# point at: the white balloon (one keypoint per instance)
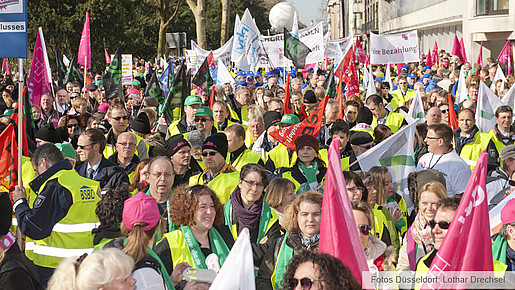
(281, 15)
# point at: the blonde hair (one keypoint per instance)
(435, 187)
(276, 191)
(292, 211)
(137, 240)
(96, 270)
(366, 209)
(77, 102)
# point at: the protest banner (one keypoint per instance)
(394, 48)
(246, 40)
(223, 53)
(127, 69)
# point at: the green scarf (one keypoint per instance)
(218, 247)
(310, 173)
(499, 249)
(283, 260)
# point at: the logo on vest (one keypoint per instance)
(87, 194)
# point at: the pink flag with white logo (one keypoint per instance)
(361, 55)
(84, 57)
(480, 56)
(467, 245)
(339, 235)
(38, 83)
(463, 57)
(506, 56)
(5, 67)
(108, 58)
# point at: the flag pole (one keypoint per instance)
(20, 118)
(85, 68)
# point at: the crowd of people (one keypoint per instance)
(114, 197)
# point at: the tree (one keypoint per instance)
(224, 33)
(198, 10)
(167, 11)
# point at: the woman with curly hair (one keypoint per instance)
(69, 129)
(315, 271)
(302, 224)
(201, 236)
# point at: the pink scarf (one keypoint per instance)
(421, 231)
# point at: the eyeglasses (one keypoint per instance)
(72, 125)
(365, 229)
(82, 147)
(252, 184)
(354, 189)
(366, 146)
(442, 225)
(126, 144)
(511, 182)
(433, 138)
(158, 175)
(120, 117)
(202, 120)
(445, 111)
(211, 153)
(305, 283)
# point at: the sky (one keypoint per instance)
(307, 9)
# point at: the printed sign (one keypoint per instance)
(13, 29)
(394, 48)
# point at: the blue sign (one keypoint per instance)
(13, 29)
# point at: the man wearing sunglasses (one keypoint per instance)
(187, 122)
(402, 94)
(204, 121)
(393, 120)
(219, 175)
(118, 117)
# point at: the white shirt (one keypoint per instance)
(452, 166)
(95, 168)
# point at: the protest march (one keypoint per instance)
(283, 160)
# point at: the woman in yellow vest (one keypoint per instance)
(308, 172)
(202, 236)
(302, 223)
(248, 209)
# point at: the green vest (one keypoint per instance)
(223, 184)
(470, 152)
(248, 156)
(393, 121)
(72, 235)
(266, 221)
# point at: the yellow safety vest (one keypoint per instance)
(470, 152)
(244, 115)
(399, 100)
(72, 235)
(223, 184)
(393, 121)
(110, 149)
(280, 156)
(248, 156)
(270, 220)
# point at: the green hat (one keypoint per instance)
(99, 83)
(66, 149)
(8, 112)
(193, 100)
(289, 119)
(203, 111)
(142, 75)
(136, 83)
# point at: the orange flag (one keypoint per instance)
(340, 97)
(287, 106)
(453, 120)
(8, 158)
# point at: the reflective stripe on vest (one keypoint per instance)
(393, 121)
(74, 228)
(59, 252)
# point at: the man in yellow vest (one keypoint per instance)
(118, 118)
(242, 99)
(239, 153)
(501, 136)
(393, 120)
(63, 213)
(219, 175)
(187, 122)
(125, 154)
(468, 141)
(403, 94)
(204, 120)
(221, 115)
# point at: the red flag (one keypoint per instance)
(340, 97)
(302, 113)
(38, 83)
(212, 97)
(480, 56)
(436, 60)
(84, 57)
(456, 47)
(399, 68)
(429, 59)
(506, 56)
(347, 69)
(311, 125)
(339, 235)
(8, 158)
(287, 105)
(463, 54)
(467, 245)
(361, 55)
(453, 120)
(5, 66)
(108, 58)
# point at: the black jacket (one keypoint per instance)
(17, 272)
(131, 167)
(460, 142)
(108, 174)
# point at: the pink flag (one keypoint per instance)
(361, 55)
(469, 229)
(436, 60)
(429, 59)
(38, 83)
(399, 67)
(108, 59)
(456, 47)
(84, 57)
(5, 66)
(463, 54)
(339, 235)
(480, 56)
(367, 61)
(506, 56)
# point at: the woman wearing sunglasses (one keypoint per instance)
(202, 239)
(418, 240)
(379, 256)
(248, 209)
(313, 271)
(69, 129)
(302, 224)
(308, 172)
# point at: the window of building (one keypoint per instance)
(491, 7)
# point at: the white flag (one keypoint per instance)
(388, 77)
(499, 75)
(487, 103)
(366, 79)
(66, 61)
(396, 153)
(246, 40)
(236, 26)
(416, 110)
(509, 97)
(238, 269)
(224, 76)
(295, 26)
(495, 214)
(461, 91)
(371, 85)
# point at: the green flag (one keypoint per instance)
(113, 77)
(153, 89)
(73, 74)
(61, 68)
(295, 50)
(202, 77)
(176, 94)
